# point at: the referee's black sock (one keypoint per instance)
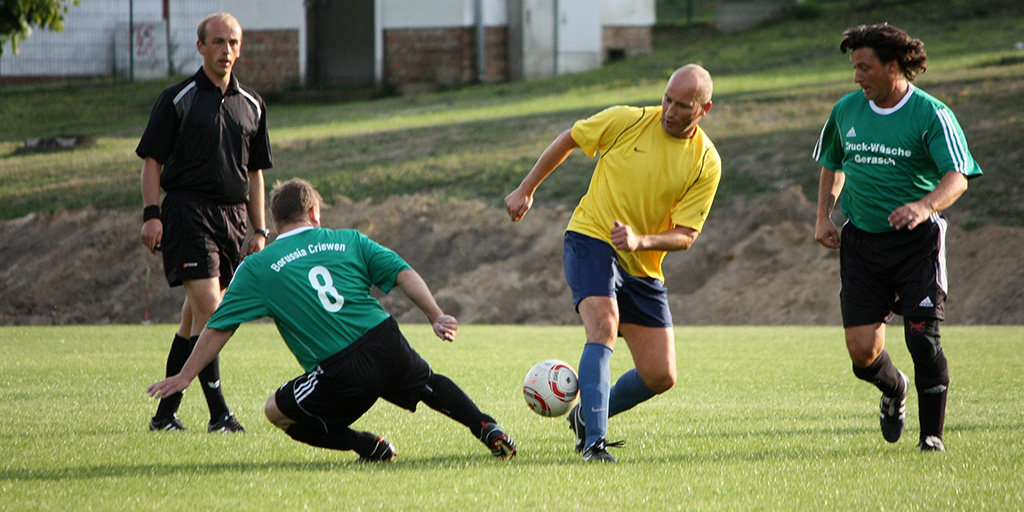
(883, 374)
(448, 398)
(209, 378)
(181, 348)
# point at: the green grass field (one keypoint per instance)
(761, 419)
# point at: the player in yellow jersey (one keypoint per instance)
(650, 194)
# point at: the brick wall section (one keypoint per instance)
(270, 60)
(426, 59)
(496, 39)
(629, 41)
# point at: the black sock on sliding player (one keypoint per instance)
(448, 398)
(342, 438)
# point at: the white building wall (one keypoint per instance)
(419, 14)
(578, 36)
(94, 41)
(183, 18)
(85, 46)
(554, 37)
(534, 41)
(442, 13)
(91, 43)
(495, 12)
(627, 13)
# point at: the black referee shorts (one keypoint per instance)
(902, 272)
(201, 239)
(380, 364)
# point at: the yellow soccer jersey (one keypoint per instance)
(644, 178)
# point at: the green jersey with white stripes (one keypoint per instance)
(891, 156)
(315, 284)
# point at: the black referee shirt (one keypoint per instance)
(206, 141)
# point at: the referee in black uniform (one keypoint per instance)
(206, 145)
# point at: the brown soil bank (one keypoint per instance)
(754, 264)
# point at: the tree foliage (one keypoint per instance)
(17, 17)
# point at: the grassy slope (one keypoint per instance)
(774, 87)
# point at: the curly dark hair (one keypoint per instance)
(890, 44)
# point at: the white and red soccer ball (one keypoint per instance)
(550, 388)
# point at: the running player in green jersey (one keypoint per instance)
(650, 194)
(898, 156)
(315, 284)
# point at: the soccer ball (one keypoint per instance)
(550, 388)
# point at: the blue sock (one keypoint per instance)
(629, 391)
(595, 382)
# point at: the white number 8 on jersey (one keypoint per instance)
(323, 283)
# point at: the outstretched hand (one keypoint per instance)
(445, 327)
(168, 386)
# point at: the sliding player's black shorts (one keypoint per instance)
(380, 364)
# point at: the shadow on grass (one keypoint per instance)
(756, 451)
(453, 462)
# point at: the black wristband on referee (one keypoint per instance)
(150, 212)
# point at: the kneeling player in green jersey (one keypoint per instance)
(903, 158)
(315, 284)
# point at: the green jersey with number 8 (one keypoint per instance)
(315, 284)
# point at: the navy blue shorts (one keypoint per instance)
(592, 270)
(900, 272)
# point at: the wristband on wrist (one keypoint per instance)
(150, 212)
(264, 232)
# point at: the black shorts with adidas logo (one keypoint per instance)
(900, 272)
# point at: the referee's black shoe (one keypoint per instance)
(893, 413)
(172, 424)
(228, 423)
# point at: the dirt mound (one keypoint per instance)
(754, 264)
